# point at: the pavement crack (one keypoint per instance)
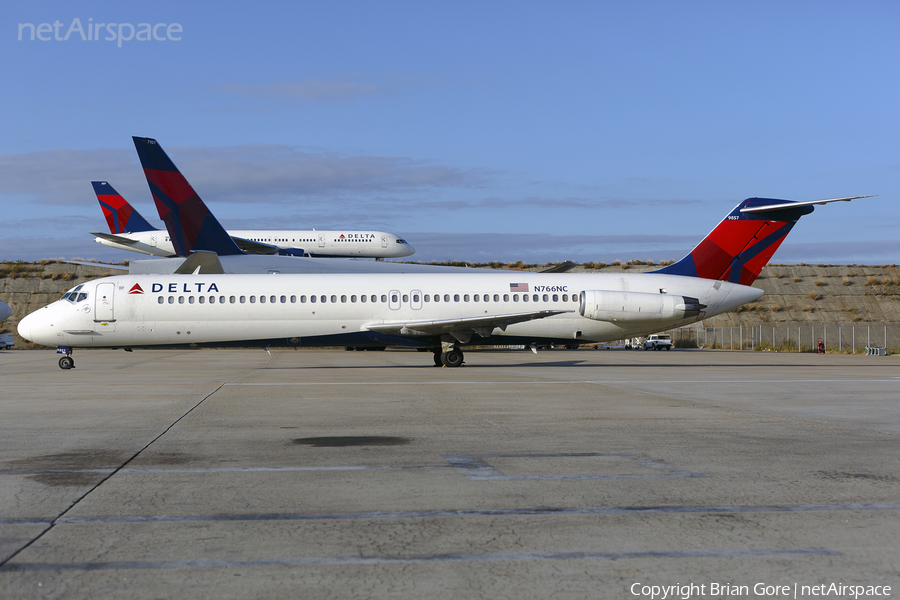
(78, 500)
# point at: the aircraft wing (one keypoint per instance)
(251, 247)
(461, 329)
(561, 267)
(789, 205)
(88, 263)
(118, 239)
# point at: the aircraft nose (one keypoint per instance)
(24, 327)
(37, 327)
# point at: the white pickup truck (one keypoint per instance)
(6, 341)
(658, 342)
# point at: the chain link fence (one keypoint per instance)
(846, 339)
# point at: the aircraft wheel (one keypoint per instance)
(437, 359)
(66, 362)
(452, 358)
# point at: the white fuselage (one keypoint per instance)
(360, 244)
(159, 310)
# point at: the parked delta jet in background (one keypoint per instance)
(128, 230)
(440, 312)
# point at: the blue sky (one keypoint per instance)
(588, 131)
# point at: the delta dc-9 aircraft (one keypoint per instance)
(439, 312)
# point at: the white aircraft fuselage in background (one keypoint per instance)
(335, 244)
(422, 310)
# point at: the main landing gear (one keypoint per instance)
(448, 357)
(66, 362)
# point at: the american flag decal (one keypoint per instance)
(518, 287)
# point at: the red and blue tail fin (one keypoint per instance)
(190, 223)
(121, 216)
(742, 244)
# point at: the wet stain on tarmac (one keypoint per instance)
(359, 440)
(841, 475)
(68, 468)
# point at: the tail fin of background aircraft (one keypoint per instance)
(190, 223)
(121, 216)
(742, 244)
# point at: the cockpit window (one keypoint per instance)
(399, 241)
(73, 295)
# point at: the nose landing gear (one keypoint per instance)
(66, 362)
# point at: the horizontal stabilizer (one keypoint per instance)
(117, 239)
(788, 205)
